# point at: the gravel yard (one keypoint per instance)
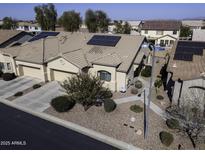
(117, 124)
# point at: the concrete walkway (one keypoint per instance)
(39, 99)
(153, 107)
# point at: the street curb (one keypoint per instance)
(88, 132)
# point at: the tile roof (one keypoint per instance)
(7, 34)
(73, 47)
(161, 25)
(186, 70)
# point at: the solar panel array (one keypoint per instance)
(104, 40)
(43, 35)
(186, 49)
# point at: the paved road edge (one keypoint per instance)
(88, 132)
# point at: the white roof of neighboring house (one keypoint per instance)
(193, 23)
(134, 22)
(74, 48)
(198, 35)
(28, 24)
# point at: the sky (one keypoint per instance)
(115, 11)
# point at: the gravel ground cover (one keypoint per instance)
(124, 125)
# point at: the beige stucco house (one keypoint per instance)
(162, 32)
(67, 54)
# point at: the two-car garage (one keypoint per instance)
(29, 71)
(59, 75)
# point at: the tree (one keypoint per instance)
(126, 28)
(96, 21)
(191, 115)
(185, 32)
(122, 28)
(86, 89)
(102, 20)
(46, 16)
(70, 21)
(9, 23)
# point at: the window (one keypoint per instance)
(161, 43)
(1, 66)
(171, 42)
(174, 32)
(146, 31)
(166, 42)
(104, 75)
(36, 28)
(159, 32)
(8, 66)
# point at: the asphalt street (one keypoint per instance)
(20, 130)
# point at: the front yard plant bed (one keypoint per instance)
(35, 86)
(109, 105)
(136, 108)
(20, 93)
(112, 125)
(8, 76)
(172, 123)
(166, 138)
(160, 97)
(62, 103)
(138, 84)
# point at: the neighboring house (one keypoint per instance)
(135, 27)
(10, 38)
(161, 32)
(113, 58)
(28, 27)
(185, 69)
(1, 23)
(193, 24)
(198, 35)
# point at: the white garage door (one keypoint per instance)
(60, 75)
(30, 71)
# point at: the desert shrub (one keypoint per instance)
(136, 108)
(166, 138)
(62, 103)
(35, 86)
(109, 105)
(160, 97)
(138, 84)
(8, 76)
(172, 123)
(134, 90)
(147, 71)
(20, 93)
(1, 73)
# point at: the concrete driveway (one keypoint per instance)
(9, 88)
(39, 99)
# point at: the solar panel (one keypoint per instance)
(43, 35)
(186, 49)
(104, 40)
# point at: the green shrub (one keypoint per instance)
(166, 138)
(35, 86)
(147, 71)
(160, 97)
(20, 93)
(109, 105)
(62, 103)
(138, 84)
(8, 76)
(134, 90)
(172, 123)
(136, 108)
